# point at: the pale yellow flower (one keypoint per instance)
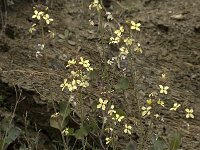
(114, 40)
(108, 140)
(149, 101)
(109, 130)
(189, 113)
(163, 76)
(138, 48)
(111, 111)
(47, 19)
(71, 62)
(118, 118)
(83, 84)
(63, 85)
(163, 89)
(95, 4)
(127, 129)
(38, 14)
(72, 86)
(159, 102)
(65, 132)
(175, 107)
(32, 28)
(102, 104)
(85, 63)
(128, 41)
(146, 110)
(135, 26)
(157, 115)
(120, 31)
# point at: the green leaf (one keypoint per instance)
(65, 109)
(61, 36)
(175, 141)
(131, 145)
(120, 112)
(122, 84)
(158, 143)
(54, 122)
(5, 123)
(13, 134)
(93, 125)
(93, 75)
(80, 133)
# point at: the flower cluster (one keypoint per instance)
(78, 77)
(153, 99)
(125, 43)
(40, 15)
(112, 118)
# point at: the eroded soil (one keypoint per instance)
(170, 38)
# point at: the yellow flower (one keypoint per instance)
(135, 26)
(157, 115)
(84, 84)
(89, 69)
(118, 118)
(189, 113)
(127, 129)
(138, 48)
(55, 115)
(96, 5)
(108, 140)
(65, 132)
(72, 86)
(74, 73)
(71, 62)
(128, 41)
(146, 110)
(109, 130)
(149, 101)
(32, 28)
(175, 107)
(85, 63)
(163, 76)
(111, 111)
(102, 104)
(159, 102)
(163, 89)
(123, 51)
(47, 19)
(114, 40)
(120, 31)
(63, 85)
(38, 14)
(153, 94)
